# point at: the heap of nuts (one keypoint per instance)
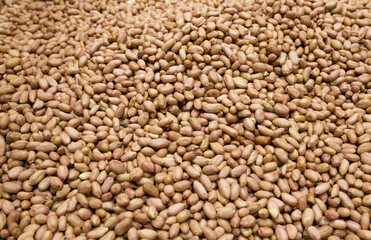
(185, 119)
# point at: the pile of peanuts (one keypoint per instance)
(185, 119)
